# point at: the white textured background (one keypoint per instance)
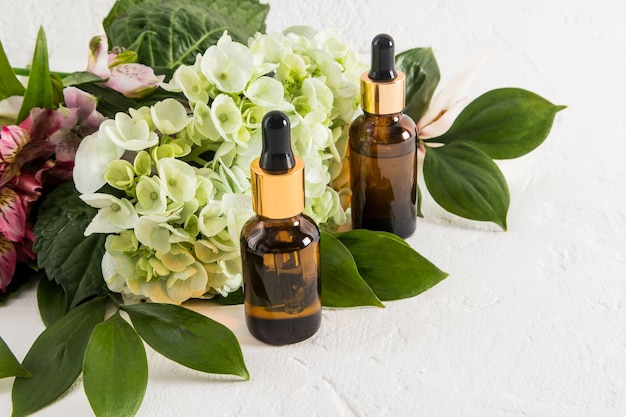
(531, 322)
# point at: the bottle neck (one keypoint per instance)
(293, 219)
(383, 118)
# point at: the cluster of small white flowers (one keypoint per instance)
(184, 169)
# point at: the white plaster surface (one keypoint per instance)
(531, 322)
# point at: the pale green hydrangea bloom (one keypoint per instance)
(182, 167)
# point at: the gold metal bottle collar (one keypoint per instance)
(277, 196)
(383, 97)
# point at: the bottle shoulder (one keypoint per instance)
(260, 234)
(369, 132)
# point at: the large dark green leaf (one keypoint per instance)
(465, 181)
(56, 358)
(39, 89)
(342, 286)
(51, 301)
(391, 267)
(9, 365)
(422, 76)
(115, 369)
(167, 34)
(504, 123)
(70, 258)
(10, 85)
(188, 338)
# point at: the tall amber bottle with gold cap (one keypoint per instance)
(383, 149)
(280, 246)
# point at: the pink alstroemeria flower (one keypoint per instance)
(78, 119)
(25, 153)
(131, 79)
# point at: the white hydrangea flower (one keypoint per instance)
(114, 214)
(188, 185)
(169, 116)
(268, 48)
(191, 83)
(210, 220)
(178, 179)
(128, 133)
(203, 122)
(268, 92)
(228, 65)
(226, 115)
(151, 198)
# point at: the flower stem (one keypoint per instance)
(26, 72)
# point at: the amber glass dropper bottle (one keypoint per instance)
(383, 149)
(280, 246)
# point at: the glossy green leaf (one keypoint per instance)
(390, 266)
(82, 77)
(504, 123)
(422, 76)
(51, 301)
(465, 181)
(70, 258)
(57, 89)
(188, 338)
(10, 85)
(342, 286)
(110, 102)
(56, 358)
(167, 34)
(9, 365)
(115, 369)
(39, 89)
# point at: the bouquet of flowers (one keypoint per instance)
(130, 181)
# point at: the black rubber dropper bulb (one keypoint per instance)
(276, 155)
(383, 58)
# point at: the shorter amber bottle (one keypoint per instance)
(383, 149)
(280, 246)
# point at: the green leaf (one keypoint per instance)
(51, 300)
(9, 365)
(167, 34)
(10, 85)
(188, 338)
(39, 90)
(342, 286)
(70, 258)
(109, 102)
(115, 369)
(422, 76)
(56, 358)
(465, 181)
(390, 266)
(82, 77)
(504, 123)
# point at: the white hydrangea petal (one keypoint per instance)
(94, 154)
(99, 200)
